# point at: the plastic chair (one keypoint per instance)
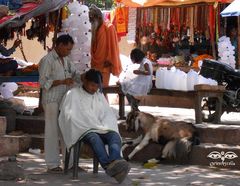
(76, 154)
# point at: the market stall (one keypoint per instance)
(44, 19)
(186, 32)
(173, 27)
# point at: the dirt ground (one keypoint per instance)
(173, 175)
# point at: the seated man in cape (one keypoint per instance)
(85, 114)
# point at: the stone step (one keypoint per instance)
(223, 134)
(30, 124)
(10, 115)
(216, 155)
(37, 141)
(11, 145)
(208, 133)
(205, 154)
(3, 125)
(200, 154)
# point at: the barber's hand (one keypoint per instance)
(68, 81)
(107, 64)
(16, 43)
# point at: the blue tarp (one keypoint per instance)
(45, 7)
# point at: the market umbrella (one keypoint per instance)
(232, 10)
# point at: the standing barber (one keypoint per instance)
(57, 75)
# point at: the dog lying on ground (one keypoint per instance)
(177, 137)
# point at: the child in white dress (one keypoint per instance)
(142, 83)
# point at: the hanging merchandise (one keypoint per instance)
(65, 13)
(177, 28)
(218, 18)
(131, 36)
(121, 21)
(38, 29)
(191, 29)
(211, 22)
(78, 26)
(226, 51)
(22, 51)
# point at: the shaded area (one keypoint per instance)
(35, 174)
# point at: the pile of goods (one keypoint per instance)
(78, 26)
(226, 51)
(31, 70)
(175, 79)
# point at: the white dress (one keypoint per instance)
(140, 85)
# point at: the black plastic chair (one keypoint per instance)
(76, 154)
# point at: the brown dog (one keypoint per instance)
(178, 136)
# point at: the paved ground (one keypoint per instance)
(172, 175)
(35, 174)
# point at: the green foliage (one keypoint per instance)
(103, 4)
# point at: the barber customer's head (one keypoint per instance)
(64, 45)
(92, 81)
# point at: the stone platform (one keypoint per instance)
(221, 138)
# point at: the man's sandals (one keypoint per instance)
(56, 170)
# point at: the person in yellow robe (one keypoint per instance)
(104, 46)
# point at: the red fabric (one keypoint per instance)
(211, 22)
(26, 8)
(149, 3)
(30, 84)
(175, 19)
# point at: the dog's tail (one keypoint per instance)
(177, 149)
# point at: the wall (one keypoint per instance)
(32, 48)
(125, 47)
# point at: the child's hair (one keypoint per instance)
(137, 55)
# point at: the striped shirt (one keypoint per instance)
(50, 69)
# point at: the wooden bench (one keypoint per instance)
(19, 79)
(196, 96)
(22, 79)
